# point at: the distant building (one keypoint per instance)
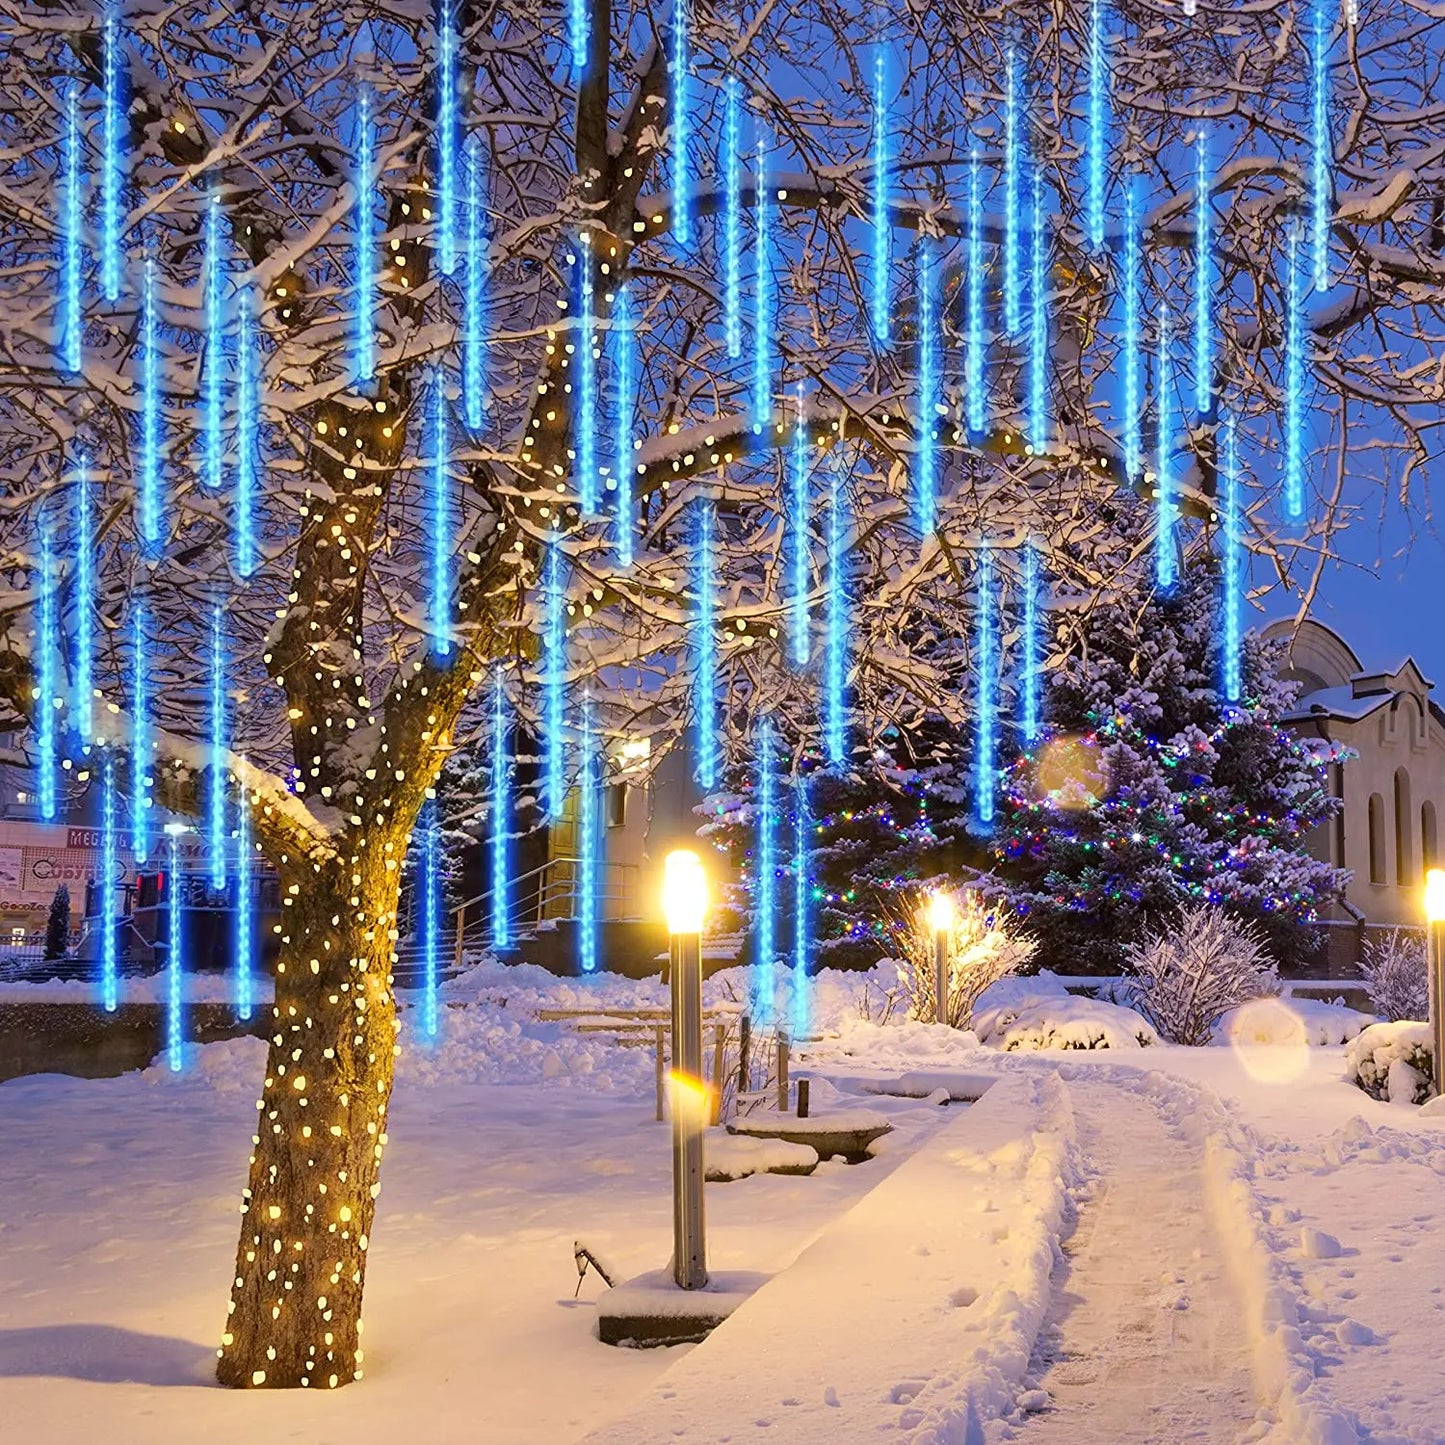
(1387, 834)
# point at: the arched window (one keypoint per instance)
(1404, 820)
(1429, 846)
(1377, 839)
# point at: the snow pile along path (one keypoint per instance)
(914, 1314)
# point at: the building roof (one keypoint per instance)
(1334, 682)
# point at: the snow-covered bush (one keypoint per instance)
(1063, 1021)
(1189, 976)
(1393, 1061)
(1295, 1022)
(1395, 974)
(985, 946)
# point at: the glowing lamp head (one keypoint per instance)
(684, 892)
(940, 913)
(1435, 895)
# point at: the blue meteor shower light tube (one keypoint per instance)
(109, 863)
(705, 648)
(112, 154)
(248, 426)
(1203, 281)
(1233, 579)
(584, 415)
(1132, 279)
(72, 238)
(474, 310)
(218, 835)
(364, 244)
(590, 910)
(835, 662)
(175, 970)
(1166, 566)
(732, 217)
(554, 682)
(48, 652)
(799, 551)
(1098, 150)
(501, 809)
(1012, 164)
(215, 352)
(766, 899)
(677, 63)
(882, 227)
(925, 499)
(244, 986)
(975, 356)
(447, 137)
(986, 704)
(624, 401)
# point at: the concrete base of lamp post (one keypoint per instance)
(651, 1310)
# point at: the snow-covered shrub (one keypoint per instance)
(1189, 976)
(1294, 1022)
(1393, 1061)
(1395, 975)
(985, 947)
(1063, 1021)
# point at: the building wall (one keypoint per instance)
(1399, 778)
(1393, 788)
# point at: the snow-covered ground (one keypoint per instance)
(1133, 1243)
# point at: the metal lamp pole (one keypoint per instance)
(940, 914)
(1435, 945)
(684, 901)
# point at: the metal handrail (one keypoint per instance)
(549, 892)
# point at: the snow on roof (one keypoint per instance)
(1338, 702)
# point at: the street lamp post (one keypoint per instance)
(684, 902)
(1435, 935)
(940, 915)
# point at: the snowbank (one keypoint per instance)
(1291, 1022)
(1392, 1062)
(1062, 1021)
(948, 1261)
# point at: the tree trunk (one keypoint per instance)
(295, 1313)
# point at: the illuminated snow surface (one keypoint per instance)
(1115, 1245)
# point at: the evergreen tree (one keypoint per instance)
(1150, 791)
(891, 822)
(57, 925)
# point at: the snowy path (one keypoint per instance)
(1143, 1341)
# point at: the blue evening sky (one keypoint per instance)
(1390, 602)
